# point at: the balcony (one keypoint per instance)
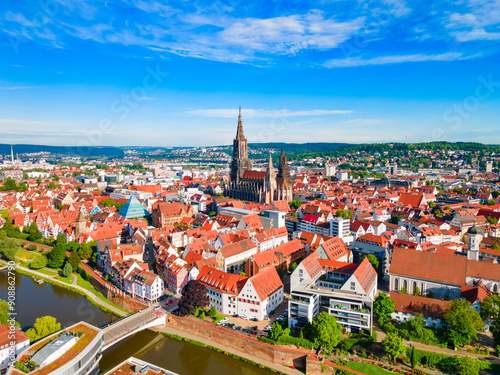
(350, 309)
(299, 299)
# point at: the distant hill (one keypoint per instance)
(63, 150)
(296, 148)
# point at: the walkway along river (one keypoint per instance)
(35, 300)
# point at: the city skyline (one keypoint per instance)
(134, 73)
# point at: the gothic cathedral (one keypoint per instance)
(256, 186)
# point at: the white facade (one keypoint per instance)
(250, 306)
(341, 228)
(6, 348)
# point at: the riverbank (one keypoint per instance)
(248, 358)
(96, 300)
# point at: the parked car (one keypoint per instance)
(223, 320)
(156, 308)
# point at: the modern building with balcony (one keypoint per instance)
(344, 290)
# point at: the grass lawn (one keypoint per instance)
(47, 272)
(21, 253)
(67, 280)
(89, 287)
(369, 369)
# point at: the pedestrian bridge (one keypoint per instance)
(130, 324)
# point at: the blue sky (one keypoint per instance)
(173, 73)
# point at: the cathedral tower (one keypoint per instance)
(240, 162)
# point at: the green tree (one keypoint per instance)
(463, 321)
(56, 257)
(35, 236)
(490, 308)
(393, 346)
(295, 204)
(490, 202)
(108, 202)
(74, 260)
(383, 306)
(492, 220)
(395, 219)
(5, 214)
(4, 310)
(9, 184)
(276, 331)
(61, 240)
(467, 366)
(67, 270)
(345, 214)
(416, 291)
(373, 260)
(194, 295)
(85, 251)
(9, 248)
(416, 326)
(38, 262)
(212, 312)
(413, 360)
(430, 294)
(43, 327)
(326, 333)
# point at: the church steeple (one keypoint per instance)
(240, 162)
(239, 132)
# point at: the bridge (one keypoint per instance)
(130, 324)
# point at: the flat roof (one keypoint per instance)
(44, 353)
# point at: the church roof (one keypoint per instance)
(254, 175)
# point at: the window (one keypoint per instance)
(353, 285)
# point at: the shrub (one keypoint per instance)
(22, 367)
(32, 247)
(212, 312)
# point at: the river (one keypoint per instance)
(35, 300)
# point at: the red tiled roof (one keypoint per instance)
(266, 282)
(335, 248)
(254, 175)
(428, 307)
(366, 275)
(220, 280)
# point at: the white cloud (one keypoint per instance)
(476, 34)
(394, 59)
(250, 113)
(289, 34)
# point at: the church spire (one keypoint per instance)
(239, 132)
(270, 165)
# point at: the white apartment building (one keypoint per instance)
(144, 285)
(249, 297)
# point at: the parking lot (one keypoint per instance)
(257, 328)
